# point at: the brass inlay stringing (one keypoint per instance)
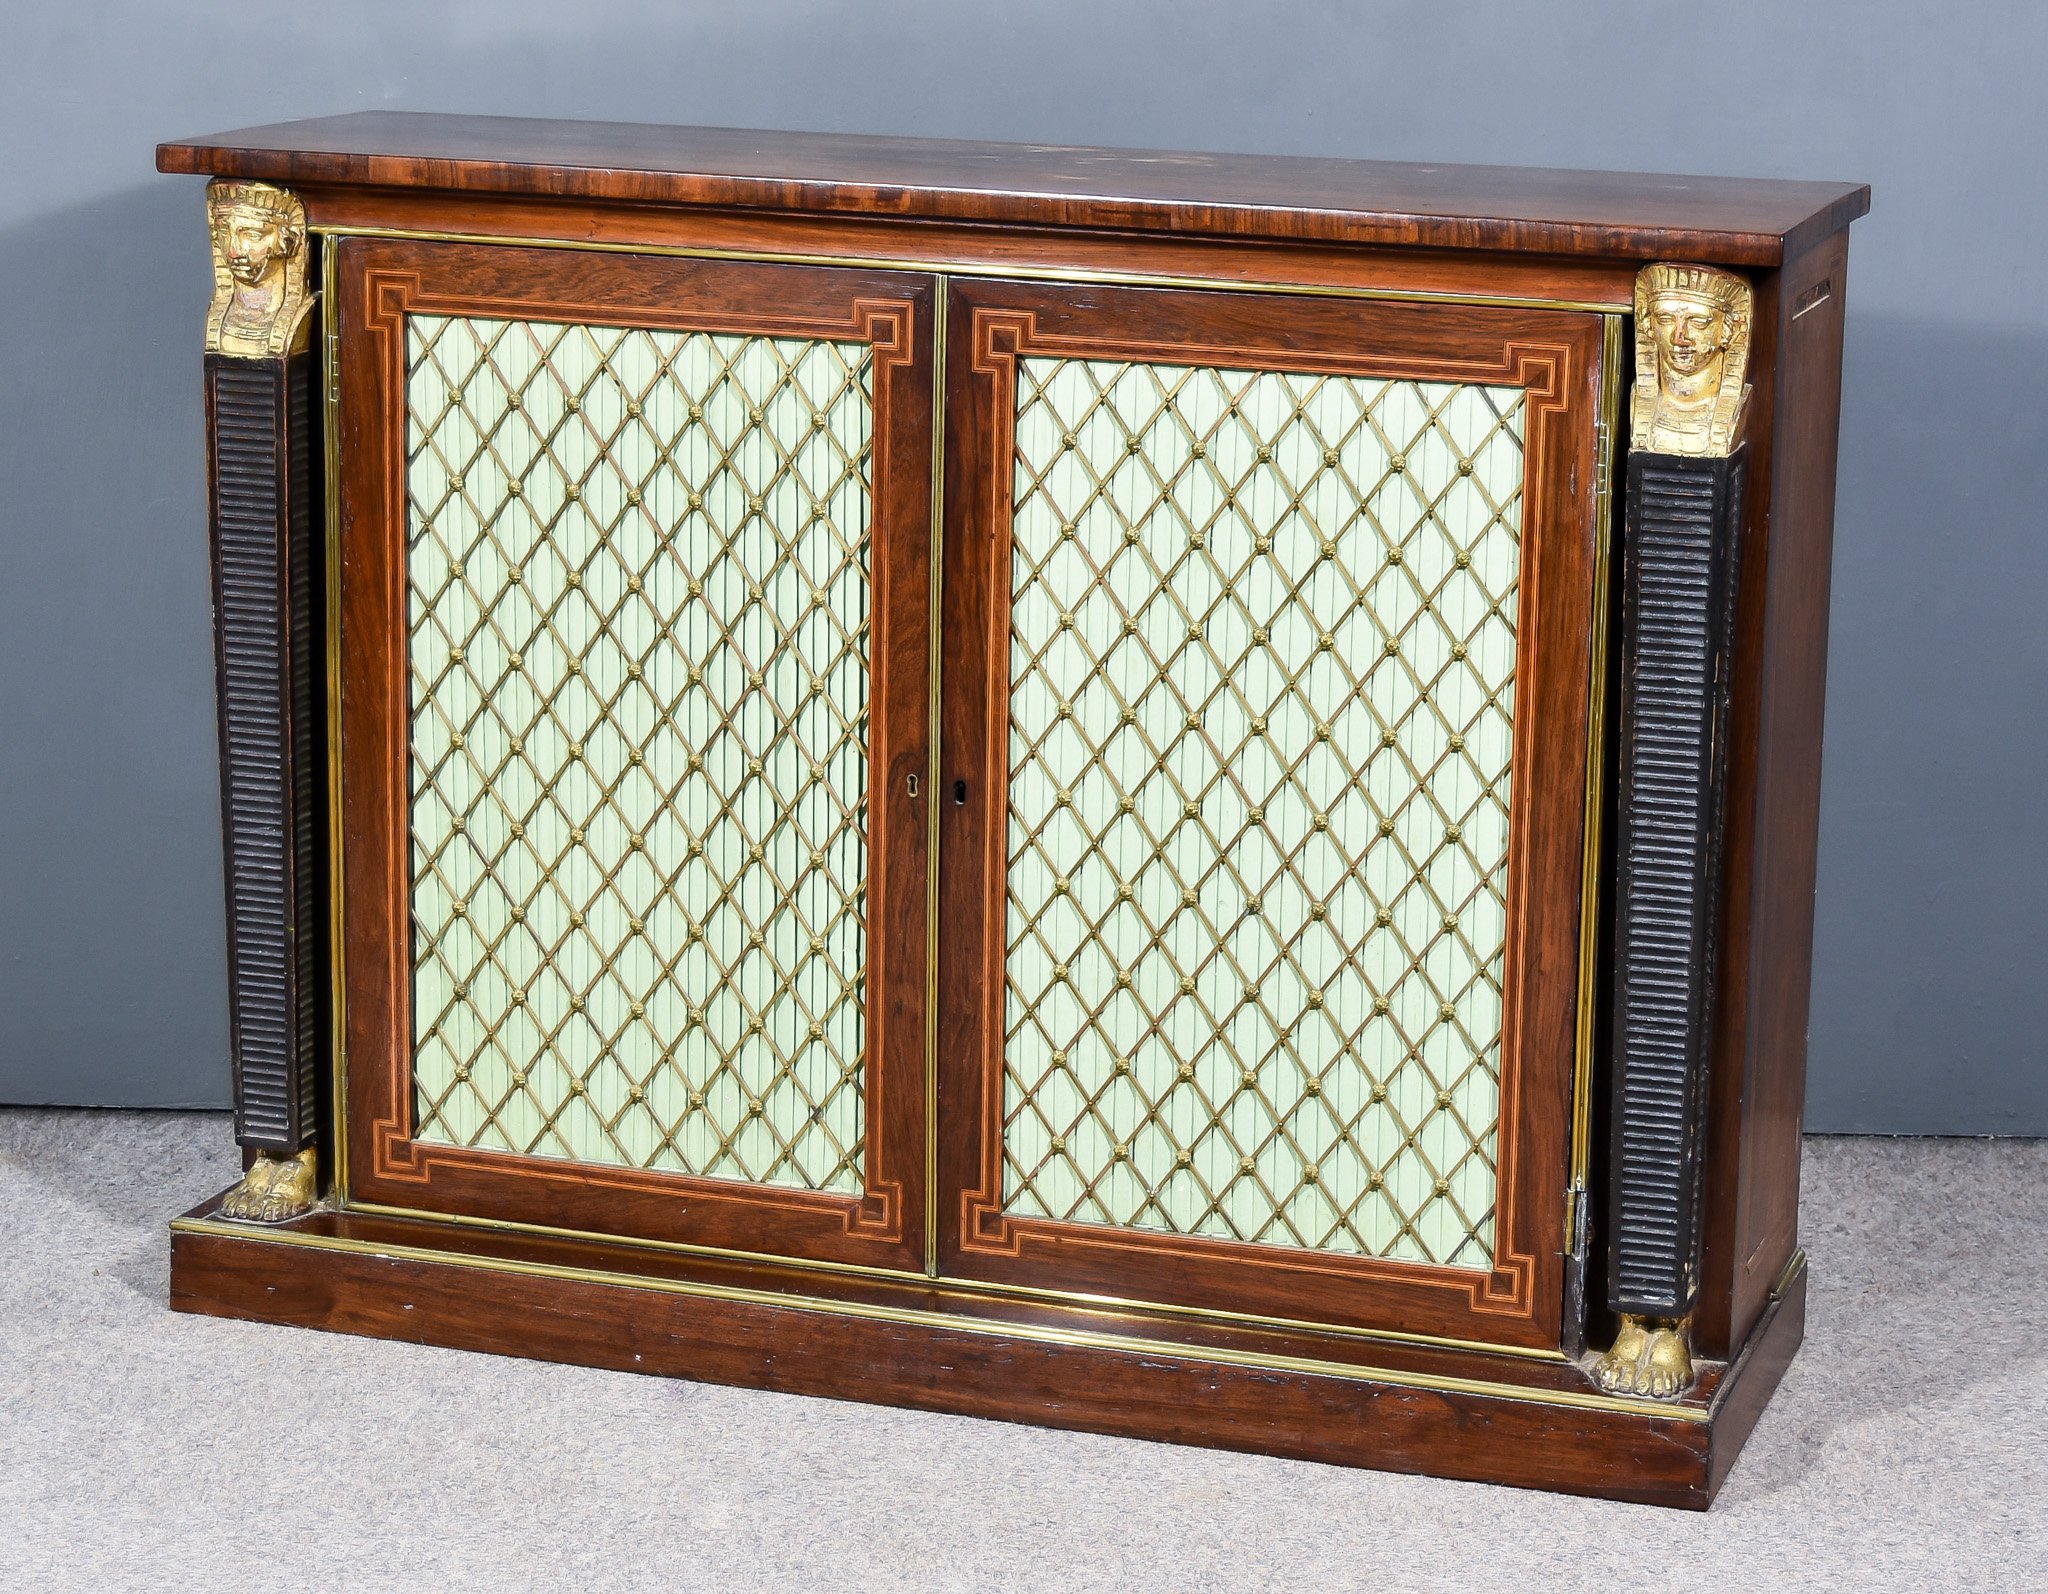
(1813, 298)
(1692, 355)
(274, 1189)
(639, 609)
(1263, 647)
(260, 305)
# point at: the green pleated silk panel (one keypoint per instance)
(638, 599)
(1262, 662)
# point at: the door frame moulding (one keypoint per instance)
(934, 1266)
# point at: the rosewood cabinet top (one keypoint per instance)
(1717, 220)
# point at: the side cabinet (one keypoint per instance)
(1160, 813)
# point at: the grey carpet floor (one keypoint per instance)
(1907, 1449)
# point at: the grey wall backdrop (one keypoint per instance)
(1929, 1006)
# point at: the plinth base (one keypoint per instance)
(1354, 1400)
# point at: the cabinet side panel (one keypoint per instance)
(1787, 816)
(1721, 1187)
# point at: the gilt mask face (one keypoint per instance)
(1692, 334)
(256, 241)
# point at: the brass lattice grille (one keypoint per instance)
(1262, 663)
(638, 601)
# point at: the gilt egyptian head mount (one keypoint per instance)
(1692, 355)
(260, 307)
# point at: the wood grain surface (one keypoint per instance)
(1725, 221)
(940, 1348)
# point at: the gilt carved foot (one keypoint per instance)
(273, 1190)
(1649, 1357)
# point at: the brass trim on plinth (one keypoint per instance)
(1124, 1303)
(1794, 1266)
(1079, 1298)
(956, 1281)
(987, 1328)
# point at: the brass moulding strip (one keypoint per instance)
(1211, 1314)
(1795, 1264)
(933, 785)
(1085, 1339)
(1611, 393)
(330, 429)
(1013, 271)
(1079, 1298)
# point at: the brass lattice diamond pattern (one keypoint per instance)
(638, 590)
(1261, 718)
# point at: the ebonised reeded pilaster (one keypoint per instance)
(259, 429)
(260, 424)
(1678, 601)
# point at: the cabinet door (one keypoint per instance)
(1265, 662)
(634, 600)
